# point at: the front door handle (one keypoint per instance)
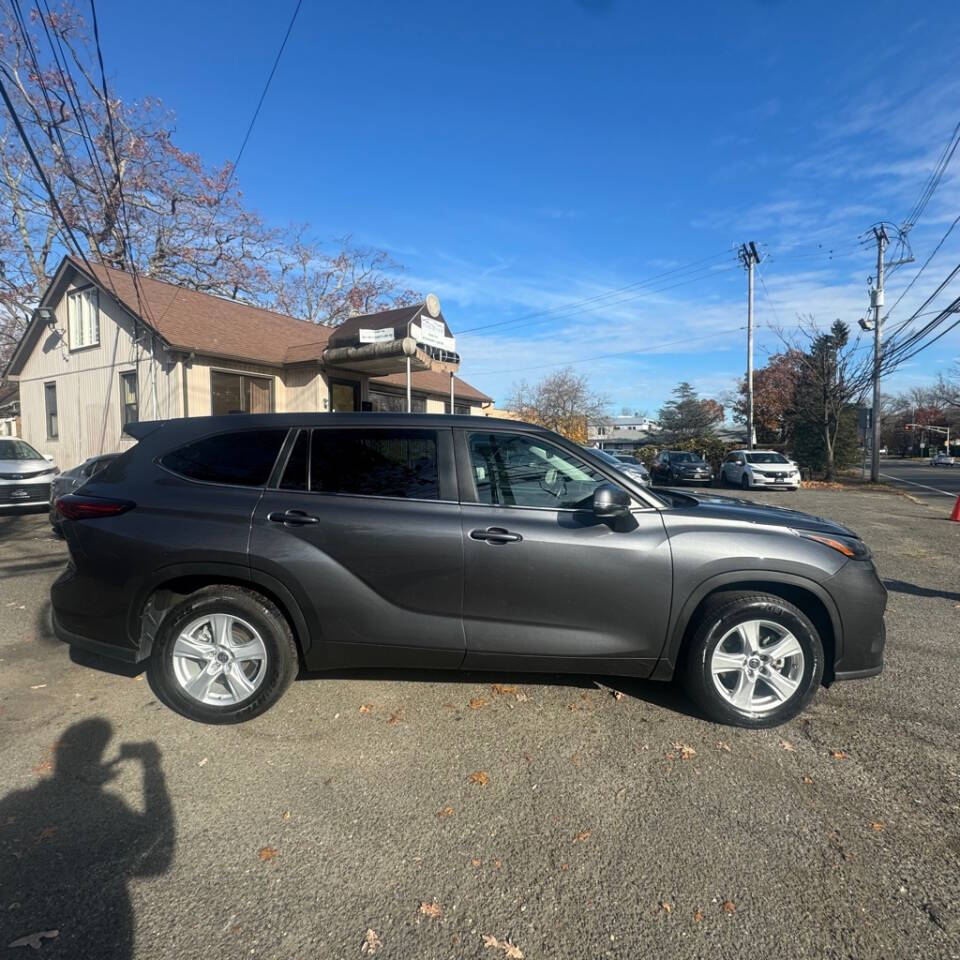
(495, 535)
(292, 518)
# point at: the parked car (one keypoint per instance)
(629, 465)
(942, 460)
(680, 466)
(25, 474)
(759, 468)
(225, 551)
(71, 480)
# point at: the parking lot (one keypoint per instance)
(441, 815)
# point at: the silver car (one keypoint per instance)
(631, 468)
(71, 480)
(25, 474)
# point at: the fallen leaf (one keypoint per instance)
(366, 707)
(35, 939)
(478, 777)
(37, 686)
(286, 814)
(510, 950)
(445, 812)
(521, 696)
(47, 833)
(666, 907)
(878, 825)
(431, 909)
(202, 763)
(267, 853)
(394, 718)
(478, 703)
(839, 755)
(697, 916)
(502, 689)
(808, 780)
(724, 746)
(617, 694)
(497, 864)
(788, 746)
(476, 861)
(371, 942)
(729, 906)
(580, 837)
(686, 752)
(563, 866)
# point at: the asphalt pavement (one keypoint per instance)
(427, 815)
(922, 480)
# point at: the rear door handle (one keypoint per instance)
(292, 518)
(495, 535)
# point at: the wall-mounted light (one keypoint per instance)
(47, 316)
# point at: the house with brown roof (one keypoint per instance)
(105, 347)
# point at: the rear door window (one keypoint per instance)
(243, 458)
(375, 463)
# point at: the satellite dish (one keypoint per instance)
(433, 305)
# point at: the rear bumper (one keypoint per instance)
(112, 651)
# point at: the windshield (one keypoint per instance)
(624, 458)
(684, 458)
(766, 458)
(17, 450)
(604, 456)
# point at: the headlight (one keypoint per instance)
(848, 546)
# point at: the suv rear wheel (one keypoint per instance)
(223, 655)
(754, 660)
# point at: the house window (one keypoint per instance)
(83, 317)
(129, 412)
(50, 403)
(240, 393)
(458, 408)
(397, 402)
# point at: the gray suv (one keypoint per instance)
(228, 551)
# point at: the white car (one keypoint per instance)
(942, 460)
(25, 474)
(759, 468)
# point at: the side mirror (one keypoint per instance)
(610, 501)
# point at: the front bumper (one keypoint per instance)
(861, 600)
(766, 481)
(701, 479)
(29, 493)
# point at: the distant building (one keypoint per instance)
(621, 433)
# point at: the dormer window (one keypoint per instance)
(83, 315)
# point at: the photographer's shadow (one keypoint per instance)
(68, 848)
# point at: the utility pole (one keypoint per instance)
(877, 296)
(748, 257)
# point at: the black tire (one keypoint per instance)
(744, 481)
(725, 611)
(280, 667)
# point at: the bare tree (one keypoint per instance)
(562, 401)
(132, 198)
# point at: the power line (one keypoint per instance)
(246, 137)
(619, 353)
(604, 299)
(930, 187)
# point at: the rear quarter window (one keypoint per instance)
(243, 458)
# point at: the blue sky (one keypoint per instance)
(516, 157)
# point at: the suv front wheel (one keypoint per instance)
(223, 655)
(753, 660)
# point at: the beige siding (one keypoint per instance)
(302, 388)
(88, 385)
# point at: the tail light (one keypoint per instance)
(74, 507)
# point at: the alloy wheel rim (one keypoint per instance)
(219, 659)
(757, 666)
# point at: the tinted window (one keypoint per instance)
(766, 458)
(244, 458)
(514, 470)
(295, 472)
(376, 463)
